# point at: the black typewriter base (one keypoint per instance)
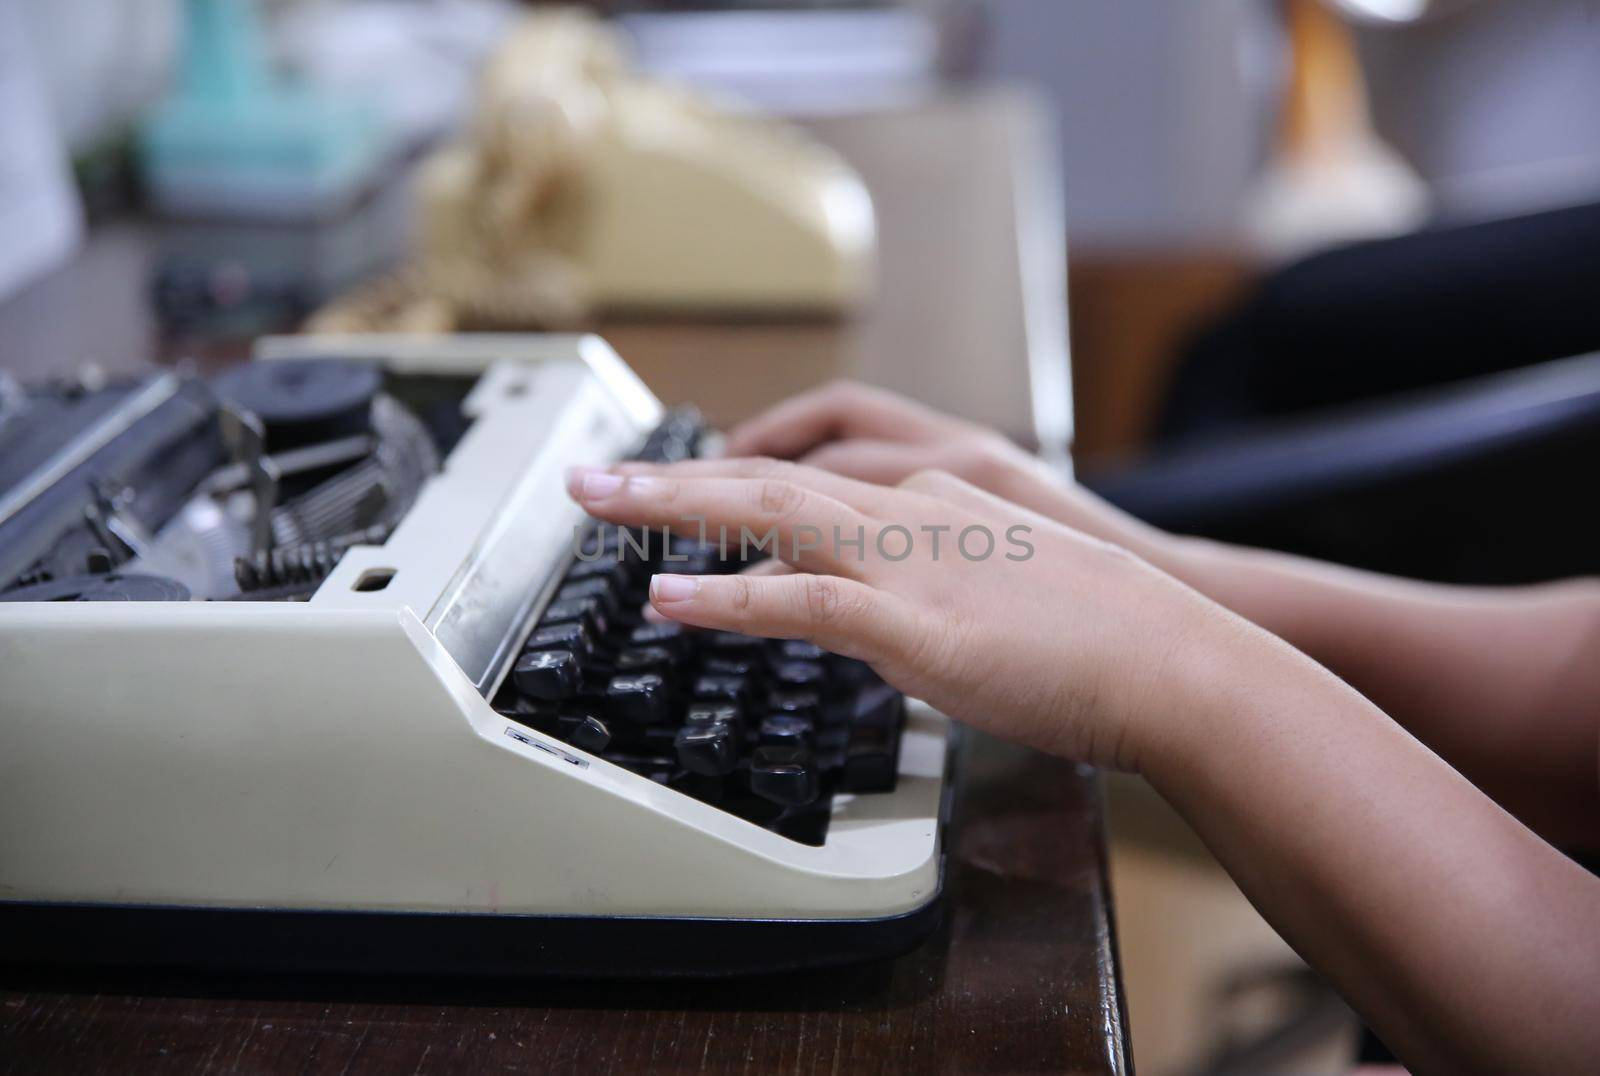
(410, 943)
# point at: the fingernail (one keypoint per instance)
(597, 484)
(575, 476)
(673, 588)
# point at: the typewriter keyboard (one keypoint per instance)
(769, 730)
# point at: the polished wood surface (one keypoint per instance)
(1022, 975)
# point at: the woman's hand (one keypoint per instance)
(877, 436)
(995, 615)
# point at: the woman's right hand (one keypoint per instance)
(994, 615)
(877, 436)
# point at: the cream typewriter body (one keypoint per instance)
(322, 782)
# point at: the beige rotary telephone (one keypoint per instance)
(582, 187)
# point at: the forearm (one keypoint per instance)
(1502, 682)
(1464, 939)
(1510, 649)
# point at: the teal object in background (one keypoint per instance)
(235, 140)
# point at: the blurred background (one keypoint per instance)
(1311, 274)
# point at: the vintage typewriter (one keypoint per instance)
(312, 664)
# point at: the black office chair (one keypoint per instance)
(1495, 480)
(1360, 322)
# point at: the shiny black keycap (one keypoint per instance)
(641, 699)
(585, 732)
(643, 659)
(710, 749)
(540, 714)
(870, 764)
(799, 650)
(800, 674)
(672, 637)
(585, 611)
(607, 567)
(686, 545)
(786, 730)
(847, 673)
(878, 706)
(732, 642)
(571, 636)
(734, 689)
(802, 702)
(667, 449)
(698, 564)
(631, 546)
(745, 665)
(547, 674)
(710, 713)
(784, 775)
(599, 589)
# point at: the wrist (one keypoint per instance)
(1225, 683)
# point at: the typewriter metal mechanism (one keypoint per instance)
(313, 665)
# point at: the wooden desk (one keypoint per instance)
(1023, 974)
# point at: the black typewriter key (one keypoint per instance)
(540, 714)
(849, 673)
(630, 546)
(784, 775)
(585, 732)
(666, 448)
(682, 545)
(599, 589)
(878, 706)
(585, 611)
(571, 636)
(639, 699)
(800, 674)
(870, 761)
(697, 564)
(799, 650)
(710, 749)
(786, 730)
(606, 567)
(646, 659)
(684, 423)
(735, 689)
(802, 702)
(672, 637)
(710, 713)
(547, 674)
(728, 643)
(731, 665)
(645, 765)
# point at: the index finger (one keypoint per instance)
(793, 519)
